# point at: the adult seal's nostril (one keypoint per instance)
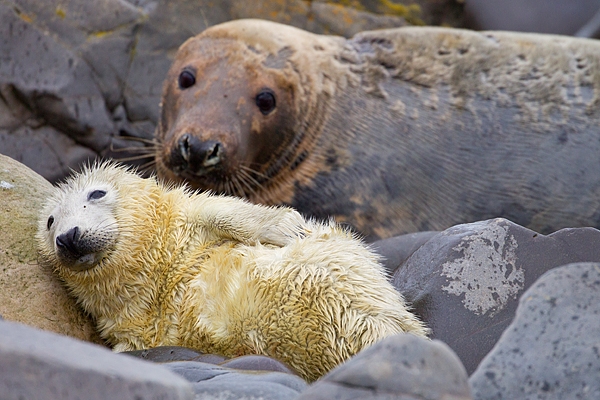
(184, 146)
(69, 241)
(211, 150)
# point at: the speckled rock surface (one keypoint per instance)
(41, 365)
(552, 348)
(398, 367)
(466, 281)
(30, 293)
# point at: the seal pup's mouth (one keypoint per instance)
(78, 251)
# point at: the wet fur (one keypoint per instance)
(219, 274)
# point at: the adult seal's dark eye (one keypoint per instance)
(186, 79)
(50, 222)
(96, 194)
(265, 101)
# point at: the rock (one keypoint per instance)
(417, 12)
(398, 367)
(320, 16)
(163, 354)
(42, 365)
(245, 377)
(397, 249)
(551, 350)
(79, 76)
(256, 362)
(545, 16)
(30, 293)
(217, 382)
(465, 282)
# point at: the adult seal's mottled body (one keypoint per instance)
(391, 131)
(160, 266)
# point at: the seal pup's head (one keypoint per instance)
(81, 224)
(241, 105)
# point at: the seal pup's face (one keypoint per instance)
(78, 225)
(236, 104)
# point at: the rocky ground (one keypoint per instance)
(514, 314)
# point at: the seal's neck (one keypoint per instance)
(125, 293)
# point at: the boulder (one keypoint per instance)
(466, 281)
(216, 382)
(394, 251)
(31, 293)
(551, 349)
(398, 367)
(544, 16)
(41, 365)
(252, 362)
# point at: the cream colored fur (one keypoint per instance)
(218, 274)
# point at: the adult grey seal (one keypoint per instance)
(391, 131)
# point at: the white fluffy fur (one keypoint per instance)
(171, 267)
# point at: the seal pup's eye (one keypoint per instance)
(265, 101)
(50, 222)
(186, 79)
(96, 194)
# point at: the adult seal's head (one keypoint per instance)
(240, 108)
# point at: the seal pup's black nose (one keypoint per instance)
(195, 155)
(69, 241)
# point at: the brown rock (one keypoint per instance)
(30, 293)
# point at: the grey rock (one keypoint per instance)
(166, 354)
(398, 367)
(397, 249)
(552, 349)
(545, 16)
(41, 365)
(251, 362)
(216, 382)
(257, 362)
(465, 282)
(430, 12)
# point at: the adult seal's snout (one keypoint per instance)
(195, 156)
